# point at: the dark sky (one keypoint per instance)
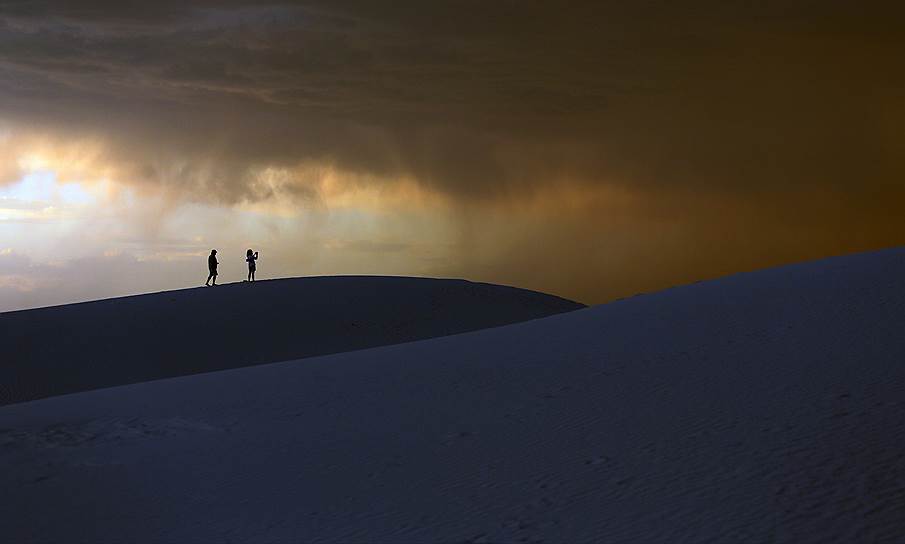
(590, 149)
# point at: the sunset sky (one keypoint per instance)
(592, 150)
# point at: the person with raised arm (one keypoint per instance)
(250, 258)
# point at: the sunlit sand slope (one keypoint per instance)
(761, 407)
(64, 349)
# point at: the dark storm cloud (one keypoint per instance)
(718, 117)
(472, 98)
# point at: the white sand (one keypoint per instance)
(761, 407)
(77, 347)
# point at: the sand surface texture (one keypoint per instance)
(767, 406)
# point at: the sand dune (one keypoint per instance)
(767, 406)
(65, 349)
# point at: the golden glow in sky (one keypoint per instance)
(592, 152)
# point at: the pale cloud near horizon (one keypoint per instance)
(591, 151)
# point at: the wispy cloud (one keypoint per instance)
(605, 136)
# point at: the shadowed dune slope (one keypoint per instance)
(64, 349)
(761, 407)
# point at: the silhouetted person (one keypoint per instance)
(212, 267)
(251, 258)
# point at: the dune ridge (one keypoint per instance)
(767, 406)
(89, 345)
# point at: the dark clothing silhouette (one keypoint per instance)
(212, 267)
(251, 258)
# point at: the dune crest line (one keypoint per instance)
(90, 345)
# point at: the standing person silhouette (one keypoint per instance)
(212, 268)
(251, 258)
